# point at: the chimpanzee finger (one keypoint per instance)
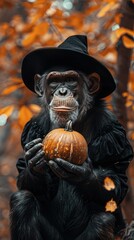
(40, 162)
(32, 151)
(70, 167)
(89, 162)
(32, 143)
(40, 166)
(57, 170)
(37, 158)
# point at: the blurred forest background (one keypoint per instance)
(26, 25)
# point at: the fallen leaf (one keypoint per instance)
(109, 184)
(111, 206)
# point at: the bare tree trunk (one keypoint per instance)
(122, 76)
(123, 63)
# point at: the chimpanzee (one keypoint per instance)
(59, 200)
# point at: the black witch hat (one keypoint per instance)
(73, 54)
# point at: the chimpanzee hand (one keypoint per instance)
(71, 172)
(34, 156)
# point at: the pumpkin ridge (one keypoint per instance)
(58, 142)
(72, 145)
(75, 138)
(71, 150)
(53, 142)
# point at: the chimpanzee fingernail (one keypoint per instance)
(30, 164)
(50, 162)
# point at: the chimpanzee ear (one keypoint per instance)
(94, 82)
(37, 85)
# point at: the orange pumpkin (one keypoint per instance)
(66, 144)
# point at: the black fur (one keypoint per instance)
(47, 207)
(66, 216)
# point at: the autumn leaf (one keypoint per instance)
(91, 9)
(76, 21)
(109, 184)
(41, 28)
(16, 80)
(115, 36)
(11, 89)
(7, 110)
(35, 108)
(122, 31)
(5, 113)
(24, 115)
(38, 30)
(111, 206)
(125, 94)
(128, 103)
(29, 39)
(108, 7)
(128, 43)
(4, 28)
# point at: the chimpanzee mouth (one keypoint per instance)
(63, 109)
(68, 104)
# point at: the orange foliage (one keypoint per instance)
(46, 24)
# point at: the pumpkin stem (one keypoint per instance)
(69, 126)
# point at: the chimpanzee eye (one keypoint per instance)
(53, 85)
(73, 84)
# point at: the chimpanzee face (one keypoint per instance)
(68, 94)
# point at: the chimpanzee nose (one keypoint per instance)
(63, 91)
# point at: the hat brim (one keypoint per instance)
(41, 60)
